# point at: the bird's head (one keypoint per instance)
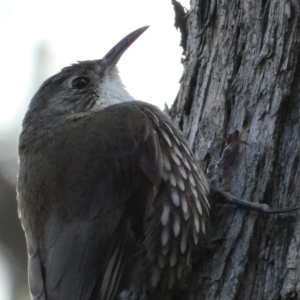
(80, 88)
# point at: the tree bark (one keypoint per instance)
(241, 83)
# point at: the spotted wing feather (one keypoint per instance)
(180, 208)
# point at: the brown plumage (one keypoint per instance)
(110, 196)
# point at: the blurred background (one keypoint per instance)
(38, 38)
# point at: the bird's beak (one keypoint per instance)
(112, 57)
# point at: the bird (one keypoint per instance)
(110, 195)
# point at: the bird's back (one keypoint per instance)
(117, 210)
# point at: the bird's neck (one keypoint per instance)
(111, 91)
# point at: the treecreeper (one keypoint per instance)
(110, 196)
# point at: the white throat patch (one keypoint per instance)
(111, 91)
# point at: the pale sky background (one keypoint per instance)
(68, 31)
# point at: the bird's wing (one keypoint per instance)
(100, 193)
(180, 208)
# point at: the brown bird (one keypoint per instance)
(110, 196)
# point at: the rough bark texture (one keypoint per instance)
(242, 82)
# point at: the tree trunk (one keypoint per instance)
(241, 83)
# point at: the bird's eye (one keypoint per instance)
(80, 82)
